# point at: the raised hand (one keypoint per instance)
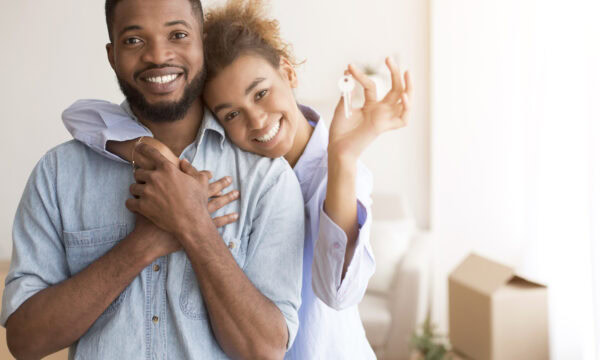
(350, 136)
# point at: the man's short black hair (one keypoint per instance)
(110, 5)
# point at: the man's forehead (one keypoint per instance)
(152, 12)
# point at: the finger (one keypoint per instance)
(339, 111)
(220, 201)
(142, 176)
(225, 219)
(405, 102)
(186, 167)
(409, 85)
(137, 189)
(149, 157)
(189, 169)
(133, 205)
(214, 189)
(367, 84)
(397, 86)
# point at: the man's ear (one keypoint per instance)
(110, 52)
(288, 72)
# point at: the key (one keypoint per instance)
(346, 85)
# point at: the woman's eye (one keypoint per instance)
(261, 94)
(132, 41)
(180, 35)
(231, 115)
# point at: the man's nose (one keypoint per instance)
(257, 118)
(157, 52)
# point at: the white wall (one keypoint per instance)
(513, 126)
(53, 54)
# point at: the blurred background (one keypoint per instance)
(501, 156)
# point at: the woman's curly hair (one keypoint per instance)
(238, 28)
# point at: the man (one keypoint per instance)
(89, 274)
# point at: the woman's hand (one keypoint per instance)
(348, 138)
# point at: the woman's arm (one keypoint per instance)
(126, 149)
(348, 138)
(110, 131)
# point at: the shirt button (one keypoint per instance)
(155, 319)
(231, 245)
(337, 245)
(156, 267)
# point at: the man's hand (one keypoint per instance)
(173, 200)
(157, 241)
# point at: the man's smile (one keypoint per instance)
(162, 81)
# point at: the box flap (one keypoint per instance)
(481, 274)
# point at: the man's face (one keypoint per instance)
(157, 56)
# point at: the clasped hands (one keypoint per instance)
(171, 200)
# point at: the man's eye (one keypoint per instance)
(231, 115)
(132, 41)
(261, 94)
(180, 35)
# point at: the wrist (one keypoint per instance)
(137, 250)
(340, 161)
(196, 232)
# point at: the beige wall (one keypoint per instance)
(53, 53)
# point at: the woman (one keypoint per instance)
(249, 88)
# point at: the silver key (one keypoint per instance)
(346, 85)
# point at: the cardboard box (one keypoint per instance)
(496, 315)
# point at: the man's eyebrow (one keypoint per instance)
(129, 28)
(253, 85)
(221, 107)
(178, 22)
(170, 23)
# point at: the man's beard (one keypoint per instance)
(164, 111)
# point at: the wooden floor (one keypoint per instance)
(4, 353)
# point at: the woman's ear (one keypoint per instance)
(288, 72)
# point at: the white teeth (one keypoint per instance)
(271, 134)
(162, 79)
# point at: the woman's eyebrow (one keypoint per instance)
(221, 107)
(253, 84)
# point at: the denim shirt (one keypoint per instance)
(72, 212)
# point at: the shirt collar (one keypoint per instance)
(209, 122)
(317, 144)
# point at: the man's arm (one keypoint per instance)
(43, 309)
(59, 315)
(247, 322)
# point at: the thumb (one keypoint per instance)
(339, 114)
(186, 167)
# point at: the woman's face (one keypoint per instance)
(255, 104)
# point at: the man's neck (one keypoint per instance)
(179, 134)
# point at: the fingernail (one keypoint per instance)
(236, 193)
(228, 179)
(235, 216)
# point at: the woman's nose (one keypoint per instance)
(257, 118)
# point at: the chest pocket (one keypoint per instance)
(85, 247)
(190, 300)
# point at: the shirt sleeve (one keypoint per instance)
(94, 122)
(38, 257)
(330, 250)
(274, 258)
